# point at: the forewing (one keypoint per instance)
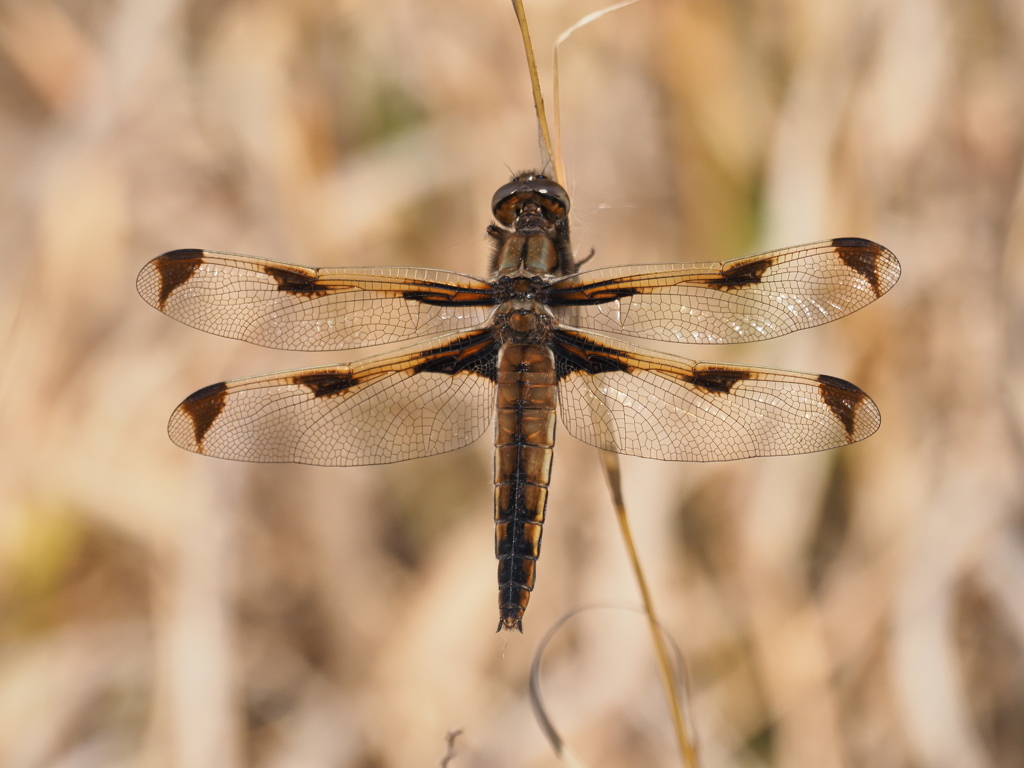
(748, 299)
(419, 402)
(286, 306)
(624, 399)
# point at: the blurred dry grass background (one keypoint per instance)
(863, 607)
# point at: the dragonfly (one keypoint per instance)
(522, 348)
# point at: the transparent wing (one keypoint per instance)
(624, 399)
(421, 401)
(286, 306)
(748, 299)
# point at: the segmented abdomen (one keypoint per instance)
(524, 447)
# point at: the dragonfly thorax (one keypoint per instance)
(523, 321)
(531, 254)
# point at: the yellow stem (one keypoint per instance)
(538, 98)
(688, 752)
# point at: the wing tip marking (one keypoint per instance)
(845, 400)
(870, 260)
(174, 269)
(202, 408)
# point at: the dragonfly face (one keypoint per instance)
(523, 349)
(529, 194)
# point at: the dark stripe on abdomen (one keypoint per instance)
(524, 446)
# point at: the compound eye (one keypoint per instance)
(554, 193)
(503, 204)
(510, 198)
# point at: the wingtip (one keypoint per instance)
(159, 278)
(884, 270)
(850, 404)
(194, 416)
(180, 253)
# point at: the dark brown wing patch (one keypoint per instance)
(718, 379)
(742, 274)
(296, 280)
(327, 384)
(578, 354)
(586, 295)
(174, 269)
(450, 297)
(203, 408)
(843, 398)
(575, 353)
(862, 257)
(475, 354)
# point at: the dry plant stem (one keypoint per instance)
(538, 98)
(560, 748)
(609, 461)
(687, 749)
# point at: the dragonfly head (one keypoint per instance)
(530, 193)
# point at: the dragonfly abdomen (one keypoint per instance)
(524, 447)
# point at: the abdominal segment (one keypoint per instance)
(524, 446)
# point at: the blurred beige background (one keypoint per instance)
(863, 607)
